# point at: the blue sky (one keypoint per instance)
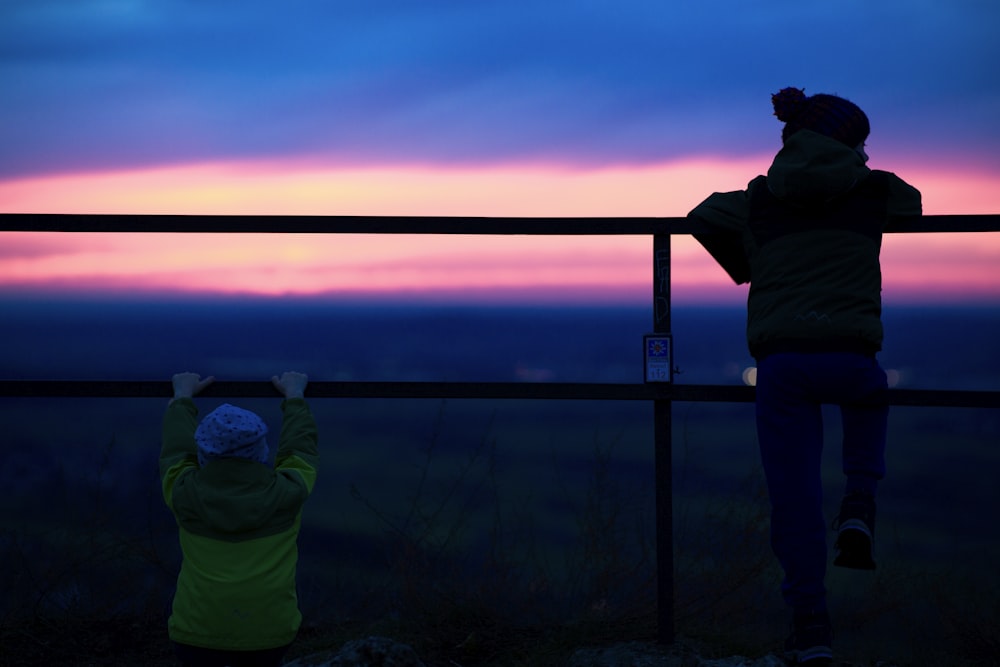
(496, 108)
(119, 84)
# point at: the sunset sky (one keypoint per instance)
(486, 108)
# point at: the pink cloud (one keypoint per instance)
(605, 268)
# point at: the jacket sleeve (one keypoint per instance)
(178, 451)
(298, 455)
(904, 199)
(725, 214)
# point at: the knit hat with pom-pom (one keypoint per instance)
(826, 114)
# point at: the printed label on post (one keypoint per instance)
(659, 358)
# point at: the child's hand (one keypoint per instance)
(291, 384)
(187, 385)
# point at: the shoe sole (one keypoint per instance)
(854, 545)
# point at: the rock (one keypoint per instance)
(315, 660)
(376, 652)
(369, 652)
(639, 654)
(631, 654)
(740, 661)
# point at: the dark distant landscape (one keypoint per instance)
(539, 505)
(933, 346)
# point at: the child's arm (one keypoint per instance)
(725, 214)
(904, 199)
(178, 451)
(298, 454)
(297, 448)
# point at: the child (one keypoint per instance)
(238, 520)
(807, 238)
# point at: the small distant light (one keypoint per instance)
(892, 376)
(750, 376)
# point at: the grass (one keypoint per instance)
(460, 564)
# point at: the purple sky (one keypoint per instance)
(122, 84)
(462, 107)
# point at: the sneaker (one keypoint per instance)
(855, 526)
(811, 641)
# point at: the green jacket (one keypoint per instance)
(238, 522)
(807, 238)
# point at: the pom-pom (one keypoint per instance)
(788, 102)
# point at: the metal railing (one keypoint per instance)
(661, 394)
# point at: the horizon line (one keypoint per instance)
(570, 297)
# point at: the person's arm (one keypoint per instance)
(178, 451)
(298, 452)
(725, 214)
(904, 199)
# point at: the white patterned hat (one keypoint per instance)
(231, 432)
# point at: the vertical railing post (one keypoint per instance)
(662, 427)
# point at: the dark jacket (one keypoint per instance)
(807, 238)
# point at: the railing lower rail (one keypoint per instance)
(470, 390)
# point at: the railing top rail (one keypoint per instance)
(348, 224)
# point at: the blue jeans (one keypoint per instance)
(791, 387)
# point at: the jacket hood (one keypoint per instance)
(238, 496)
(812, 167)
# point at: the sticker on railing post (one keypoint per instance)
(658, 362)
